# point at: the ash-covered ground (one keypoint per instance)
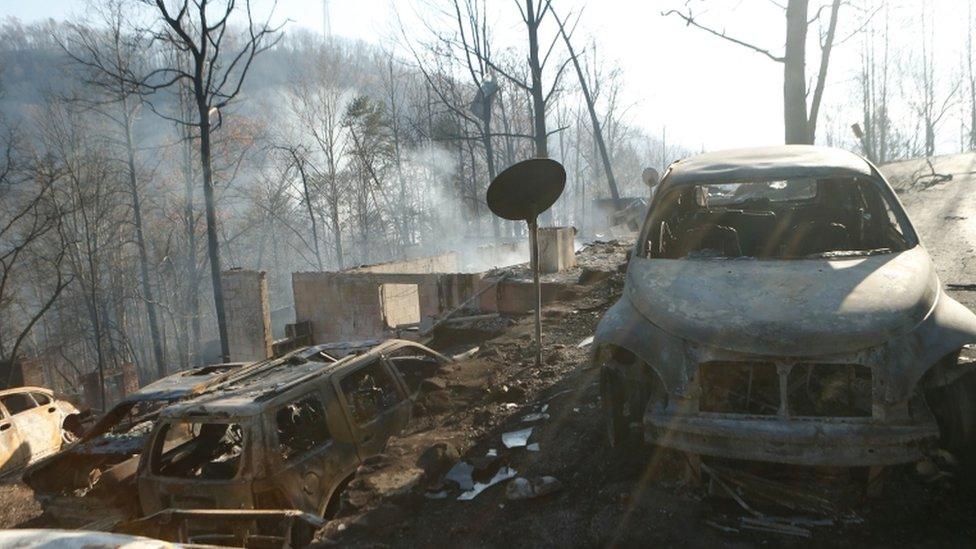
(638, 495)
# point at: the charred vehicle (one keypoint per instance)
(106, 454)
(92, 480)
(779, 307)
(281, 438)
(33, 425)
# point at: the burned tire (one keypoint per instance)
(615, 417)
(954, 407)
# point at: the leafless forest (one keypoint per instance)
(152, 144)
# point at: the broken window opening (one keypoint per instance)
(301, 427)
(401, 305)
(789, 219)
(370, 391)
(198, 450)
(415, 365)
(18, 402)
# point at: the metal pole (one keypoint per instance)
(534, 247)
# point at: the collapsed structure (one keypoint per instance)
(402, 299)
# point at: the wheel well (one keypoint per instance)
(332, 506)
(646, 381)
(944, 371)
(72, 423)
(950, 394)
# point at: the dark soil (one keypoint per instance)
(638, 495)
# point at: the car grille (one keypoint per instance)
(829, 390)
(813, 390)
(739, 387)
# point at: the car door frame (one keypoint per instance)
(395, 417)
(331, 462)
(51, 412)
(9, 450)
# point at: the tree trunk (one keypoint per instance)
(594, 120)
(794, 76)
(147, 292)
(822, 73)
(490, 161)
(311, 211)
(972, 77)
(213, 247)
(541, 137)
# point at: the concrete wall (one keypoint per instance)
(360, 305)
(443, 263)
(340, 306)
(556, 249)
(514, 296)
(490, 256)
(248, 314)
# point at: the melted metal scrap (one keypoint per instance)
(529, 418)
(461, 474)
(503, 474)
(516, 439)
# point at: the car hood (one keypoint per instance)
(801, 307)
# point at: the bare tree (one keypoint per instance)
(108, 51)
(971, 75)
(928, 106)
(800, 127)
(198, 29)
(31, 241)
(591, 108)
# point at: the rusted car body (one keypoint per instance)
(241, 527)
(281, 438)
(33, 425)
(779, 307)
(106, 454)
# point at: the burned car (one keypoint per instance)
(93, 478)
(281, 438)
(33, 425)
(779, 307)
(107, 453)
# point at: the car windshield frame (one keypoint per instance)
(881, 187)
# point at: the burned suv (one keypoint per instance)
(283, 438)
(779, 307)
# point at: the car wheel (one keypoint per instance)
(616, 421)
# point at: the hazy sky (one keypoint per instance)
(707, 93)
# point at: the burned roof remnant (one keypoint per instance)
(779, 307)
(767, 164)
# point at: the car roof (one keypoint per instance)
(27, 389)
(183, 383)
(252, 394)
(767, 164)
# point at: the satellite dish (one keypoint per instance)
(521, 193)
(526, 189)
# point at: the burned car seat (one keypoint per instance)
(719, 238)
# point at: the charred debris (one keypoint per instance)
(426, 402)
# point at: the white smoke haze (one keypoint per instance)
(409, 169)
